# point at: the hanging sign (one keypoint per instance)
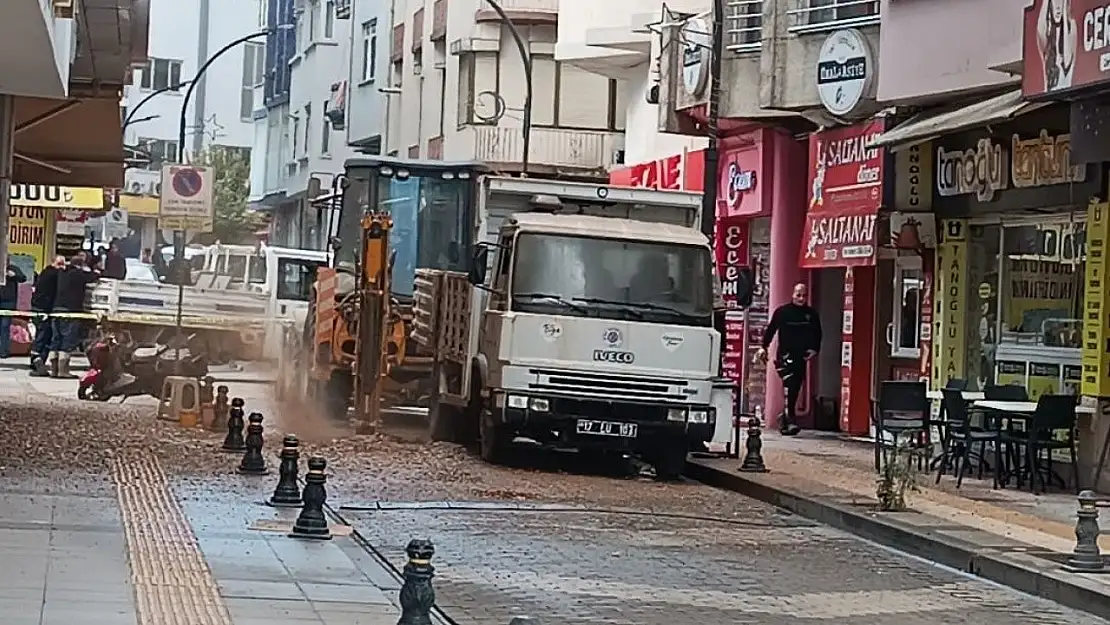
(845, 69)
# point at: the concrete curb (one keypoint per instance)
(1022, 571)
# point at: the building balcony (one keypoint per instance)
(520, 11)
(552, 150)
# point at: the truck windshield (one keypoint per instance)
(613, 279)
(430, 218)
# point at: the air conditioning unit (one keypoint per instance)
(135, 188)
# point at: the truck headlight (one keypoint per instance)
(699, 416)
(518, 401)
(676, 414)
(539, 404)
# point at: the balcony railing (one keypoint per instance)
(555, 147)
(743, 25)
(821, 15)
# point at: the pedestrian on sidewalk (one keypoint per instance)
(115, 265)
(42, 302)
(9, 301)
(70, 298)
(799, 332)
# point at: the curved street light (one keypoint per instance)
(150, 96)
(526, 58)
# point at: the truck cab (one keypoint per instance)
(598, 333)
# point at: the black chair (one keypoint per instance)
(902, 411)
(1005, 392)
(961, 437)
(941, 422)
(1054, 413)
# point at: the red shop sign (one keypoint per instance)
(733, 252)
(1065, 45)
(738, 181)
(845, 194)
(680, 172)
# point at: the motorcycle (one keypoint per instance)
(118, 369)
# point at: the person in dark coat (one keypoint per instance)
(115, 265)
(70, 298)
(42, 302)
(9, 300)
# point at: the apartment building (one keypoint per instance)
(301, 129)
(183, 35)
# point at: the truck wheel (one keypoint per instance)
(491, 440)
(671, 462)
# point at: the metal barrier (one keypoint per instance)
(1087, 557)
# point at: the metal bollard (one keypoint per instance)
(418, 597)
(234, 442)
(253, 462)
(311, 522)
(753, 458)
(288, 491)
(1086, 558)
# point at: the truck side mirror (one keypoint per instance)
(745, 286)
(478, 266)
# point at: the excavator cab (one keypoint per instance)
(394, 217)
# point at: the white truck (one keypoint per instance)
(585, 321)
(251, 292)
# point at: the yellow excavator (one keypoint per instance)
(389, 218)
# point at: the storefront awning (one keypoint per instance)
(932, 124)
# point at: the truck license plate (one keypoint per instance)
(607, 428)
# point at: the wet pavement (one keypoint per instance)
(591, 567)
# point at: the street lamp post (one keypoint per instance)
(150, 96)
(179, 235)
(526, 58)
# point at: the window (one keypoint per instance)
(329, 19)
(442, 100)
(369, 50)
(314, 21)
(295, 138)
(904, 331)
(254, 69)
(295, 278)
(325, 135)
(307, 127)
(821, 14)
(160, 75)
(160, 151)
(417, 62)
(744, 25)
(398, 73)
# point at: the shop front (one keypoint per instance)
(758, 215)
(840, 247)
(1011, 264)
(33, 234)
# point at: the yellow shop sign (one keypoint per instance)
(53, 196)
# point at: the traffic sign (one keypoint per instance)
(116, 224)
(187, 198)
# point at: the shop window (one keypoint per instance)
(904, 331)
(1042, 291)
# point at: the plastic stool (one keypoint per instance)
(180, 400)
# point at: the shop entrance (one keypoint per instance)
(827, 288)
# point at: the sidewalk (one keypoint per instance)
(1009, 536)
(142, 548)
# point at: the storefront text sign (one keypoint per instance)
(733, 252)
(1065, 46)
(738, 189)
(913, 178)
(1095, 352)
(951, 275)
(678, 172)
(27, 238)
(53, 196)
(981, 171)
(1044, 160)
(844, 71)
(845, 194)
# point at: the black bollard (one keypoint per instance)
(311, 523)
(1086, 558)
(288, 492)
(221, 407)
(253, 463)
(753, 457)
(417, 595)
(234, 442)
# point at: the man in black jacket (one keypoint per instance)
(115, 265)
(9, 300)
(799, 331)
(70, 298)
(42, 302)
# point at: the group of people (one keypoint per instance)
(59, 291)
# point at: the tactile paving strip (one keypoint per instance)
(173, 585)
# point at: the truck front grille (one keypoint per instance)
(611, 386)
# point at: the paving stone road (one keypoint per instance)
(588, 567)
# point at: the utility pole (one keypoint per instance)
(712, 150)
